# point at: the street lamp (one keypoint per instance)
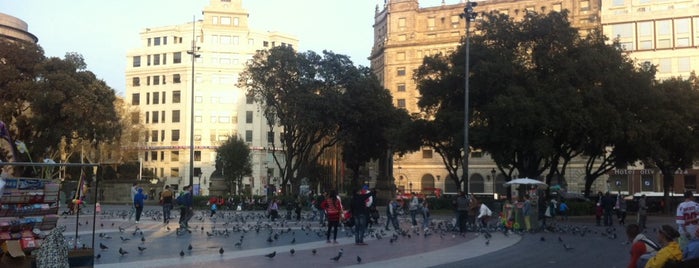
(195, 55)
(469, 15)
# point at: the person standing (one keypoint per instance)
(413, 208)
(138, 203)
(166, 202)
(273, 209)
(392, 214)
(686, 219)
(542, 207)
(462, 205)
(527, 213)
(621, 206)
(360, 204)
(213, 205)
(333, 208)
(426, 219)
(642, 212)
(563, 210)
(134, 191)
(640, 244)
(608, 203)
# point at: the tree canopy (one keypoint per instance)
(233, 162)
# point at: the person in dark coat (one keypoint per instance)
(360, 204)
(608, 203)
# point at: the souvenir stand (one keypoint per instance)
(29, 208)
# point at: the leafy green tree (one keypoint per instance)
(299, 94)
(52, 101)
(233, 162)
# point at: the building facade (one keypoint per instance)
(405, 32)
(162, 80)
(12, 28)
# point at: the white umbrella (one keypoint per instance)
(525, 181)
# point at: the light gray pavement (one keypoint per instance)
(597, 248)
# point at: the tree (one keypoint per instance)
(233, 162)
(299, 94)
(52, 101)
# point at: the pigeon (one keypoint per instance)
(269, 239)
(314, 251)
(124, 239)
(238, 244)
(121, 229)
(123, 252)
(141, 249)
(293, 241)
(359, 259)
(181, 253)
(567, 247)
(189, 247)
(292, 251)
(271, 255)
(542, 239)
(560, 239)
(487, 242)
(220, 251)
(167, 228)
(339, 255)
(103, 246)
(98, 256)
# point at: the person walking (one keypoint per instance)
(166, 202)
(462, 205)
(134, 191)
(563, 210)
(138, 203)
(185, 201)
(333, 209)
(360, 204)
(621, 209)
(392, 215)
(413, 208)
(608, 203)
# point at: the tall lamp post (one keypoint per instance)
(469, 15)
(195, 55)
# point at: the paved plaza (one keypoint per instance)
(246, 237)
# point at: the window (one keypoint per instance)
(175, 135)
(618, 3)
(176, 78)
(664, 27)
(401, 56)
(426, 153)
(682, 26)
(136, 99)
(156, 59)
(156, 41)
(402, 37)
(156, 117)
(684, 64)
(645, 28)
(265, 43)
(682, 42)
(154, 135)
(665, 65)
(225, 39)
(164, 40)
(401, 22)
(235, 40)
(248, 135)
(153, 156)
(175, 155)
(585, 5)
(156, 97)
(645, 44)
(136, 81)
(664, 43)
(197, 157)
(214, 20)
(248, 117)
(270, 136)
(690, 182)
(226, 20)
(148, 60)
(430, 23)
(236, 21)
(147, 118)
(400, 71)
(136, 61)
(557, 7)
(455, 20)
(401, 88)
(149, 41)
(400, 103)
(624, 30)
(176, 116)
(249, 99)
(156, 80)
(176, 96)
(177, 57)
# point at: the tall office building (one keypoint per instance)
(160, 90)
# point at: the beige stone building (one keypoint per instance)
(15, 29)
(159, 89)
(662, 33)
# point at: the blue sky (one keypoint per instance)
(103, 30)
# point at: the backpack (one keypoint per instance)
(180, 199)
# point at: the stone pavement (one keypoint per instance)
(415, 250)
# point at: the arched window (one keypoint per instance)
(477, 184)
(427, 184)
(500, 181)
(450, 186)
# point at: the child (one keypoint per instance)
(563, 210)
(598, 213)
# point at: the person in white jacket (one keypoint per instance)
(484, 215)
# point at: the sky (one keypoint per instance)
(104, 30)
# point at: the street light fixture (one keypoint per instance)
(469, 15)
(195, 55)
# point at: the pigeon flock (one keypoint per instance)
(235, 231)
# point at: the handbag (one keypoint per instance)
(548, 212)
